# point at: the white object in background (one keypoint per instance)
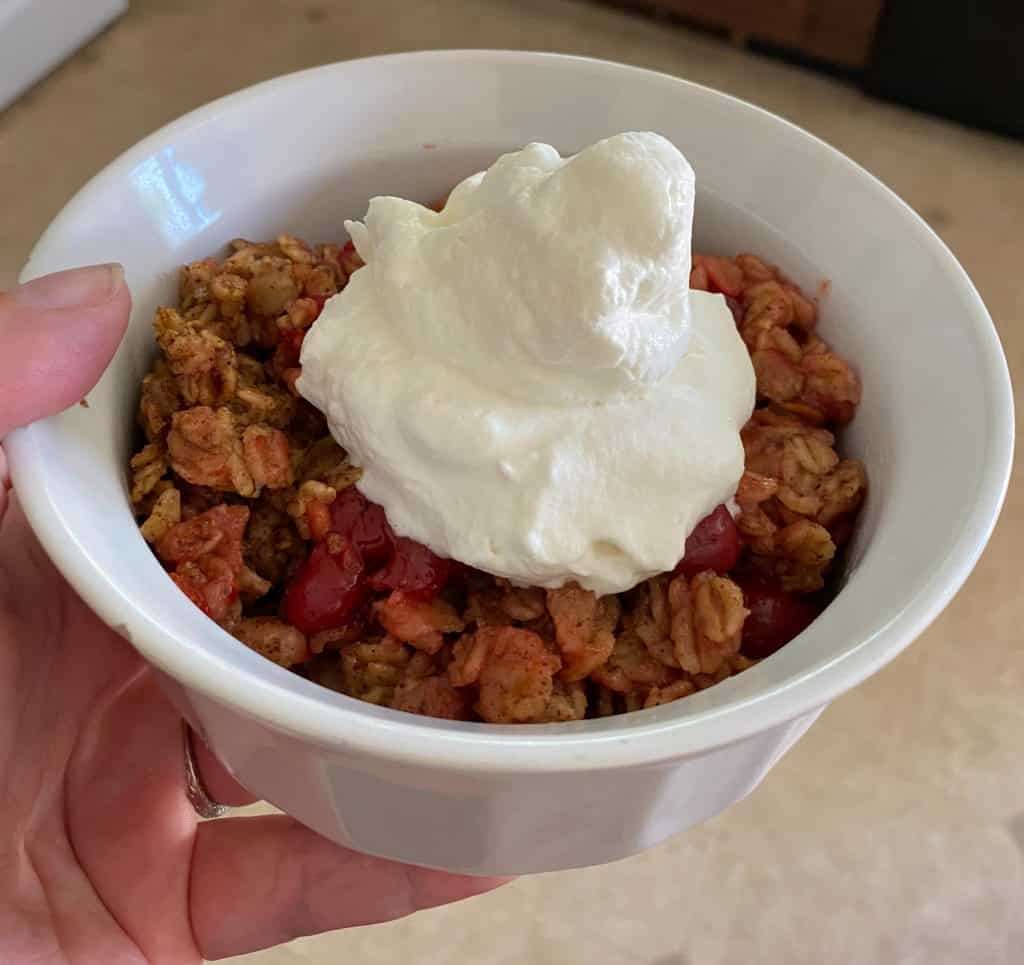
(36, 35)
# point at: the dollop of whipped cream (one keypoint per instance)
(525, 378)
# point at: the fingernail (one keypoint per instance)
(75, 288)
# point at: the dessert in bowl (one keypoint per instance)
(480, 796)
(538, 382)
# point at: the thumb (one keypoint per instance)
(57, 334)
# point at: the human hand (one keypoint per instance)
(102, 858)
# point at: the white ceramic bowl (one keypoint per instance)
(301, 153)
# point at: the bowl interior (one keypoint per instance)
(935, 425)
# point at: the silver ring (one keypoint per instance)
(204, 805)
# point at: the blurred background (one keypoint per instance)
(894, 832)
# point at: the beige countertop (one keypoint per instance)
(894, 832)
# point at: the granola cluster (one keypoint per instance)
(237, 482)
(798, 498)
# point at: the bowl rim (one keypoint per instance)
(362, 729)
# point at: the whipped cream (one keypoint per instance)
(525, 377)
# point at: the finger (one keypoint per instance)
(124, 802)
(216, 778)
(5, 483)
(57, 334)
(261, 881)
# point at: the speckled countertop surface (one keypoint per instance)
(894, 832)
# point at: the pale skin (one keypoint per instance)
(102, 858)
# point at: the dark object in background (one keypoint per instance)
(836, 32)
(963, 59)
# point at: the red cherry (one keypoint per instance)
(346, 509)
(328, 587)
(289, 345)
(392, 562)
(414, 569)
(349, 260)
(365, 524)
(776, 616)
(713, 545)
(374, 537)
